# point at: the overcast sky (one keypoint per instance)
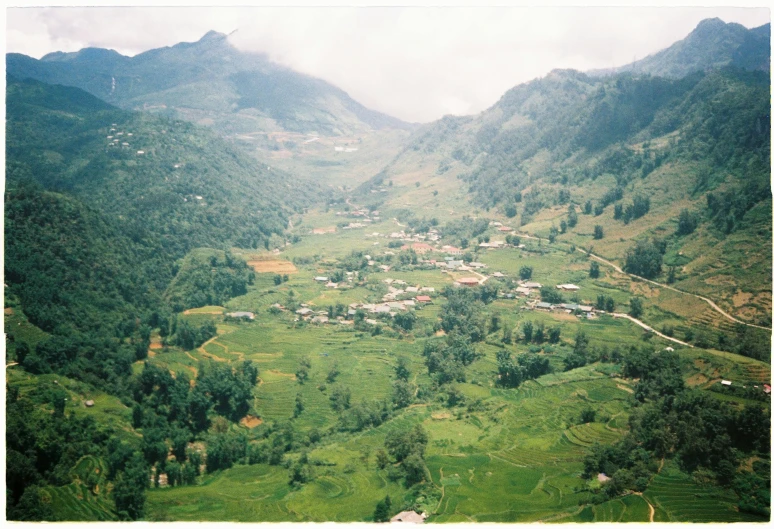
(417, 64)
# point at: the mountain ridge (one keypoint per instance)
(713, 43)
(208, 76)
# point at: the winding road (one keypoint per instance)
(661, 285)
(649, 328)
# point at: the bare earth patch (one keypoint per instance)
(441, 416)
(8, 310)
(273, 265)
(625, 388)
(320, 231)
(741, 298)
(251, 421)
(696, 380)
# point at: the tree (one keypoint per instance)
(382, 511)
(333, 373)
(587, 207)
(686, 222)
(340, 398)
(609, 304)
(671, 276)
(587, 415)
(598, 232)
(552, 233)
(594, 270)
(414, 467)
(572, 216)
(402, 444)
(527, 329)
(129, 489)
(507, 334)
(510, 210)
(401, 369)
(509, 374)
(553, 334)
(635, 307)
(563, 226)
(405, 320)
(382, 460)
(402, 393)
(525, 272)
(302, 372)
(299, 406)
(277, 279)
(643, 259)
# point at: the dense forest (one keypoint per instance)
(94, 230)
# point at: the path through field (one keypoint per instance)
(650, 505)
(619, 270)
(648, 328)
(709, 301)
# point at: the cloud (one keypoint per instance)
(414, 63)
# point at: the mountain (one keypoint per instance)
(633, 153)
(208, 81)
(712, 44)
(122, 192)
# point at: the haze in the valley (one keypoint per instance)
(416, 64)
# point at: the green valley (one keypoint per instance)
(555, 311)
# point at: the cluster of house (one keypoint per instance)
(389, 307)
(319, 316)
(397, 288)
(115, 136)
(331, 284)
(526, 288)
(364, 215)
(432, 235)
(766, 387)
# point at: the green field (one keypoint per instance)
(516, 457)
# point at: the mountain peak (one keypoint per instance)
(710, 23)
(712, 44)
(212, 35)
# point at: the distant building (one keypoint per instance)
(468, 281)
(321, 279)
(568, 286)
(422, 248)
(241, 314)
(451, 250)
(408, 517)
(424, 299)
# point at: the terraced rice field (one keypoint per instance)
(76, 502)
(681, 500)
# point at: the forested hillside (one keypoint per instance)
(513, 321)
(633, 153)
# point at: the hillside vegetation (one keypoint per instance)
(514, 320)
(631, 153)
